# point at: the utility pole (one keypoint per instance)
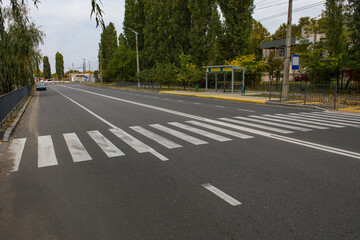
(89, 72)
(137, 55)
(73, 73)
(285, 86)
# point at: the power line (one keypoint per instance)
(274, 5)
(295, 10)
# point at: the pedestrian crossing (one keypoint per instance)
(189, 132)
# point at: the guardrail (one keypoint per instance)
(321, 95)
(11, 100)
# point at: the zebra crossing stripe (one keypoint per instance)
(139, 146)
(157, 138)
(214, 136)
(222, 130)
(288, 122)
(178, 134)
(275, 124)
(256, 125)
(302, 119)
(108, 147)
(333, 118)
(348, 116)
(77, 150)
(16, 149)
(326, 120)
(299, 120)
(46, 152)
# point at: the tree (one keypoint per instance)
(107, 46)
(237, 27)
(280, 33)
(59, 65)
(258, 34)
(353, 17)
(122, 66)
(134, 19)
(46, 68)
(275, 66)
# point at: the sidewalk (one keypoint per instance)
(247, 98)
(221, 95)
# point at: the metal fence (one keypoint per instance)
(321, 95)
(11, 100)
(143, 85)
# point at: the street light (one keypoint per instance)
(137, 54)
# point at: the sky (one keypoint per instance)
(70, 31)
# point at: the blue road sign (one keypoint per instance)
(295, 62)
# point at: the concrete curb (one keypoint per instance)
(10, 130)
(243, 99)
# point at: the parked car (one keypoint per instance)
(40, 87)
(301, 78)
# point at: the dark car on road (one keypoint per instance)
(40, 87)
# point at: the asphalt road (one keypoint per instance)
(96, 163)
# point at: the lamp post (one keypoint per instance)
(137, 54)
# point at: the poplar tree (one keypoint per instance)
(46, 68)
(134, 19)
(108, 44)
(59, 65)
(237, 27)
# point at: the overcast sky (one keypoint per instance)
(70, 31)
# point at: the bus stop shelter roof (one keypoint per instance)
(225, 66)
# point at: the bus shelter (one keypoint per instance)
(224, 69)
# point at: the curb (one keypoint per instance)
(10, 130)
(261, 101)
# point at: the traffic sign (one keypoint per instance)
(295, 62)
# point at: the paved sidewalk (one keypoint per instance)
(247, 98)
(221, 95)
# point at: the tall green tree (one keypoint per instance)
(205, 29)
(237, 27)
(134, 19)
(59, 65)
(166, 31)
(46, 67)
(353, 17)
(108, 45)
(258, 34)
(19, 48)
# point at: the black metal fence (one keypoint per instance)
(11, 100)
(321, 95)
(143, 85)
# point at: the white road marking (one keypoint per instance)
(302, 119)
(334, 119)
(222, 130)
(198, 118)
(347, 115)
(197, 103)
(275, 124)
(214, 136)
(76, 149)
(180, 100)
(155, 97)
(318, 146)
(108, 147)
(245, 110)
(136, 144)
(157, 138)
(227, 198)
(46, 152)
(178, 134)
(166, 99)
(16, 149)
(337, 116)
(319, 119)
(219, 106)
(288, 122)
(299, 120)
(256, 125)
